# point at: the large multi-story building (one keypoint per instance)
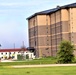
(48, 28)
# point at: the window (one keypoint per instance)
(47, 40)
(47, 27)
(47, 48)
(47, 31)
(2, 53)
(34, 22)
(26, 52)
(72, 27)
(35, 43)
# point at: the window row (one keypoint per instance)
(6, 53)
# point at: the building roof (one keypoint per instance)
(11, 50)
(53, 10)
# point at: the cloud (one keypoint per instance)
(24, 6)
(12, 4)
(21, 7)
(28, 3)
(32, 2)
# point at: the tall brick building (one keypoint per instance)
(47, 29)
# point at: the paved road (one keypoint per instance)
(46, 65)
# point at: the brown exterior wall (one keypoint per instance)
(47, 31)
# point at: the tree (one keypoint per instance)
(27, 56)
(65, 54)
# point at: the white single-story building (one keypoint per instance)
(13, 53)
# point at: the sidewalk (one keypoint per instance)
(6, 61)
(46, 65)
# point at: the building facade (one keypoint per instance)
(6, 54)
(48, 28)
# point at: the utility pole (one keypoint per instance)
(14, 45)
(0, 46)
(23, 43)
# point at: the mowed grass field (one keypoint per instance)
(48, 60)
(6, 69)
(38, 71)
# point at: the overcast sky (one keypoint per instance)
(13, 23)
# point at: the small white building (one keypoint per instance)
(13, 54)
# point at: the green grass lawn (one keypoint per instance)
(48, 60)
(6, 69)
(38, 71)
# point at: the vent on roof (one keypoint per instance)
(58, 6)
